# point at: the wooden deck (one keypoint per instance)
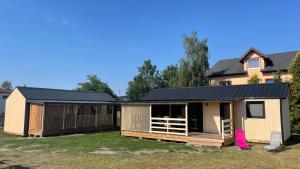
(195, 139)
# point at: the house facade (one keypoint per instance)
(239, 70)
(45, 112)
(208, 116)
(3, 96)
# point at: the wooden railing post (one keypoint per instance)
(223, 130)
(150, 127)
(167, 120)
(186, 120)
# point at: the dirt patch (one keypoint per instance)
(105, 151)
(149, 152)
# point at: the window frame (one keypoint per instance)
(109, 106)
(93, 108)
(248, 114)
(267, 81)
(228, 83)
(252, 60)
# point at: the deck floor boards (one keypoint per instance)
(197, 139)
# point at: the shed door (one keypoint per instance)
(36, 117)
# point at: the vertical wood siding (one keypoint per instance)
(211, 118)
(14, 121)
(36, 118)
(259, 129)
(135, 118)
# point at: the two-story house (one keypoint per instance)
(239, 70)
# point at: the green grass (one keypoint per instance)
(88, 143)
(81, 151)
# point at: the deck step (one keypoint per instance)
(205, 143)
(200, 142)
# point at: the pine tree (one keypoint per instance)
(294, 70)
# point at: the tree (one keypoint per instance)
(192, 69)
(254, 80)
(147, 79)
(6, 85)
(169, 75)
(294, 70)
(95, 84)
(277, 77)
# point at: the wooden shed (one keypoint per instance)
(209, 115)
(45, 112)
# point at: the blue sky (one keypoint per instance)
(56, 43)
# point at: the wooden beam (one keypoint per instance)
(232, 117)
(150, 127)
(170, 110)
(186, 120)
(64, 116)
(43, 118)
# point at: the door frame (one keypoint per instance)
(199, 117)
(221, 112)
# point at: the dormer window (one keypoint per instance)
(253, 63)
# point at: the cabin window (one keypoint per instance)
(269, 81)
(94, 109)
(255, 109)
(253, 63)
(109, 109)
(224, 83)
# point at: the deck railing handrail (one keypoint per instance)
(176, 126)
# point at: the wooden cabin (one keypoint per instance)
(208, 116)
(45, 112)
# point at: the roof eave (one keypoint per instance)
(230, 74)
(69, 101)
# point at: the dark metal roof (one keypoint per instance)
(277, 61)
(252, 49)
(46, 94)
(219, 93)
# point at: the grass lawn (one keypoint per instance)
(110, 150)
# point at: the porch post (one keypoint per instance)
(232, 118)
(150, 127)
(186, 120)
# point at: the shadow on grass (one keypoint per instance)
(295, 139)
(84, 132)
(17, 167)
(2, 162)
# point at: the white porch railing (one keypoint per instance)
(177, 126)
(227, 128)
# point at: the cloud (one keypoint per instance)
(64, 21)
(58, 20)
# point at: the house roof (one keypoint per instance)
(59, 95)
(252, 49)
(219, 93)
(275, 62)
(5, 91)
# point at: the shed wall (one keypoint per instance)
(259, 129)
(135, 118)
(211, 118)
(15, 113)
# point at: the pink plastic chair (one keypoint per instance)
(240, 140)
